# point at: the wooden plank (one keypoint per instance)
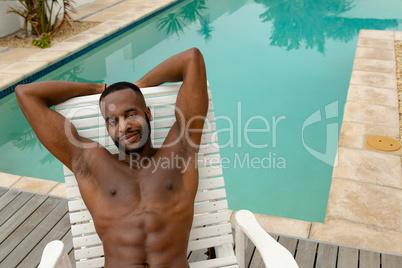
(12, 207)
(289, 243)
(348, 257)
(249, 251)
(56, 233)
(391, 261)
(68, 244)
(256, 261)
(208, 231)
(210, 206)
(306, 253)
(7, 197)
(274, 236)
(23, 212)
(30, 232)
(326, 255)
(3, 191)
(369, 259)
(198, 255)
(89, 252)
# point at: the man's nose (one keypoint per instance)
(123, 125)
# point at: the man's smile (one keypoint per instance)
(130, 137)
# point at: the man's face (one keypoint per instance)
(127, 120)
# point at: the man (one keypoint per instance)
(142, 212)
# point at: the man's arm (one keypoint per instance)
(50, 127)
(192, 99)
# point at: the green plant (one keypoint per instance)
(39, 14)
(42, 43)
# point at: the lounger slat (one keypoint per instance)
(162, 132)
(212, 171)
(210, 242)
(93, 132)
(84, 228)
(210, 195)
(67, 171)
(210, 206)
(210, 231)
(213, 148)
(82, 216)
(76, 205)
(216, 263)
(71, 181)
(83, 100)
(147, 92)
(165, 100)
(86, 253)
(93, 263)
(168, 111)
(73, 192)
(211, 183)
(212, 218)
(81, 111)
(90, 122)
(85, 241)
(209, 160)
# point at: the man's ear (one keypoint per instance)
(149, 114)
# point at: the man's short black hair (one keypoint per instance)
(119, 86)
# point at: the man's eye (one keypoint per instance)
(111, 122)
(131, 115)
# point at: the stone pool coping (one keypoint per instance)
(364, 203)
(364, 206)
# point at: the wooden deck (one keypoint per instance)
(28, 221)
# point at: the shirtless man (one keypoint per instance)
(142, 213)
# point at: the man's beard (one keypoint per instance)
(145, 136)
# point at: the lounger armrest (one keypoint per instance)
(273, 254)
(54, 256)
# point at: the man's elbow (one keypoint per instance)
(20, 91)
(195, 54)
(22, 94)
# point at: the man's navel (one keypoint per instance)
(169, 186)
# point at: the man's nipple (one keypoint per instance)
(113, 192)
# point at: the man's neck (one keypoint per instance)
(138, 160)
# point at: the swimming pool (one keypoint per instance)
(279, 79)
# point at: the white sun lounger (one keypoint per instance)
(211, 225)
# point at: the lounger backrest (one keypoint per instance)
(211, 226)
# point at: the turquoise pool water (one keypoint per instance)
(279, 72)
